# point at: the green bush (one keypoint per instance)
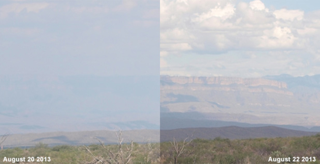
(243, 151)
(67, 154)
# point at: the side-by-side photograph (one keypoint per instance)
(159, 82)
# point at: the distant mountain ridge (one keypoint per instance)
(304, 81)
(31, 104)
(230, 132)
(223, 81)
(80, 138)
(281, 100)
(197, 120)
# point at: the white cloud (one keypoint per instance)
(307, 31)
(224, 25)
(257, 5)
(18, 7)
(289, 14)
(163, 53)
(176, 46)
(278, 37)
(215, 27)
(222, 13)
(163, 63)
(175, 34)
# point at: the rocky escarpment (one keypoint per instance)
(263, 98)
(223, 81)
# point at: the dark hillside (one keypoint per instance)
(231, 132)
(244, 151)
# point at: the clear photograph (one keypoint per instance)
(240, 81)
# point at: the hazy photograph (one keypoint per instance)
(240, 81)
(79, 81)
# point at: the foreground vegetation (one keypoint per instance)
(245, 151)
(65, 154)
(197, 151)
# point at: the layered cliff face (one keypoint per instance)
(224, 81)
(260, 97)
(256, 85)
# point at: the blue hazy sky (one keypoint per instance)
(89, 64)
(98, 37)
(306, 5)
(244, 38)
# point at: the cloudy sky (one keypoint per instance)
(83, 62)
(239, 38)
(96, 37)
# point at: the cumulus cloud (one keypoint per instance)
(217, 27)
(163, 63)
(277, 38)
(223, 23)
(257, 5)
(176, 46)
(163, 53)
(222, 13)
(291, 15)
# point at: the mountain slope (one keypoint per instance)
(80, 138)
(246, 100)
(231, 132)
(168, 123)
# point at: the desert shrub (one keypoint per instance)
(15, 152)
(316, 153)
(243, 151)
(62, 148)
(67, 154)
(41, 145)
